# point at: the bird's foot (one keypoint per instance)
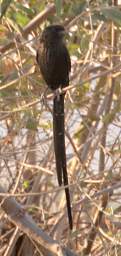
(57, 93)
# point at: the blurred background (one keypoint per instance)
(92, 124)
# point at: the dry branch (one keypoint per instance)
(34, 23)
(21, 219)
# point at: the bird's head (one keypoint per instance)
(52, 34)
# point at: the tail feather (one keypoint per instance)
(57, 123)
(60, 152)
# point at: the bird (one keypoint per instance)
(55, 65)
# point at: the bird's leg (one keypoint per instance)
(57, 93)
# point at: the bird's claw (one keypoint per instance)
(57, 93)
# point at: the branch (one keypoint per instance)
(34, 23)
(24, 222)
(97, 220)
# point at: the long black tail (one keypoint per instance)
(60, 152)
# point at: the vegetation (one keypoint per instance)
(93, 131)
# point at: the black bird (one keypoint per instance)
(54, 62)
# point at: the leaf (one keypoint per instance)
(31, 124)
(21, 18)
(26, 10)
(113, 14)
(26, 184)
(79, 7)
(97, 15)
(46, 125)
(58, 4)
(4, 6)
